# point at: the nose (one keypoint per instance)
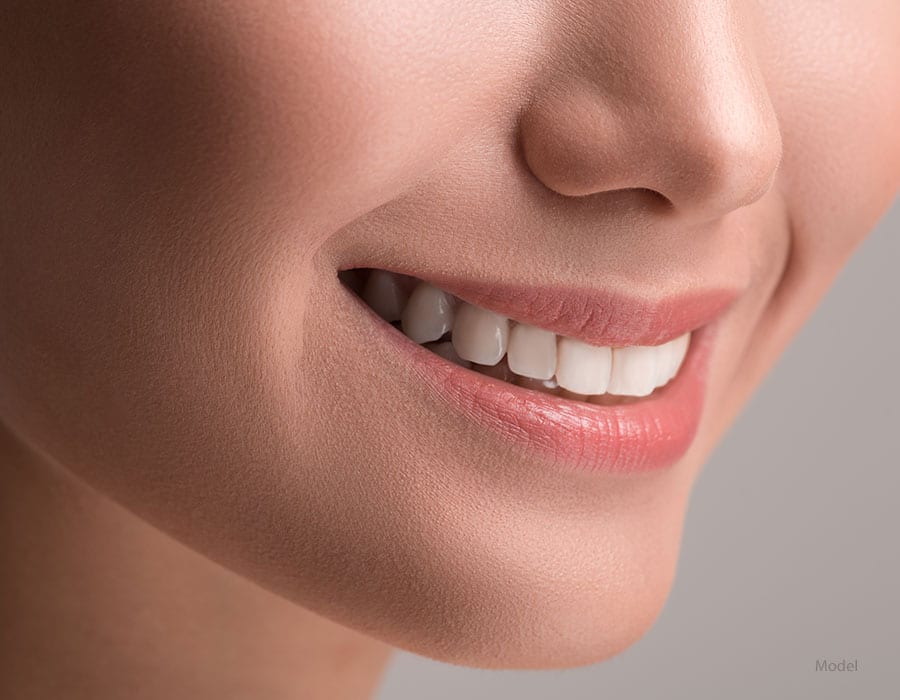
(655, 96)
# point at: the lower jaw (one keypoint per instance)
(626, 436)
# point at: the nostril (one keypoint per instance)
(653, 199)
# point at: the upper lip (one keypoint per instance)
(594, 316)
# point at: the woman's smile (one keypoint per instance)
(619, 405)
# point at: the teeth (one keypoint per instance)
(535, 358)
(428, 314)
(480, 335)
(582, 368)
(532, 352)
(670, 359)
(385, 295)
(633, 370)
(665, 358)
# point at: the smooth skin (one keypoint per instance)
(214, 484)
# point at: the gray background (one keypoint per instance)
(790, 551)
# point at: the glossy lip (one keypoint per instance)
(650, 434)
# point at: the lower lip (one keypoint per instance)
(650, 434)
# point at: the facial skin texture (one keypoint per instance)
(181, 183)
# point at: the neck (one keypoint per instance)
(95, 602)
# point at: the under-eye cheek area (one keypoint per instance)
(203, 111)
(324, 112)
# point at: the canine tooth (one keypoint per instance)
(633, 371)
(446, 351)
(385, 295)
(582, 368)
(479, 335)
(428, 314)
(531, 352)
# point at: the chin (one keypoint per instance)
(541, 623)
(487, 583)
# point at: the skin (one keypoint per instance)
(214, 483)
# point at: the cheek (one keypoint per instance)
(835, 85)
(179, 165)
(174, 155)
(344, 108)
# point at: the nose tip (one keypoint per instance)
(719, 164)
(705, 160)
(666, 97)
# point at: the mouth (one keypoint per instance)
(593, 380)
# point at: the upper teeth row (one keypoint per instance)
(484, 337)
